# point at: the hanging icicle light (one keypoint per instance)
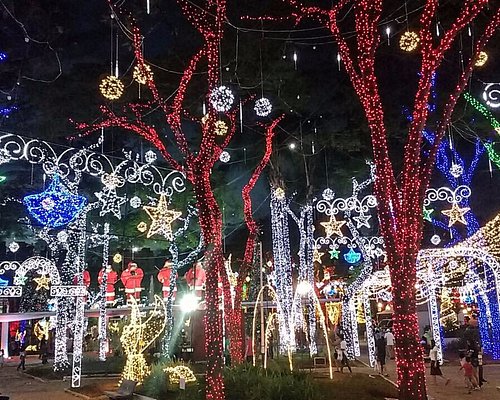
(409, 41)
(222, 98)
(111, 87)
(263, 107)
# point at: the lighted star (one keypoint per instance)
(362, 220)
(161, 218)
(111, 202)
(352, 257)
(42, 282)
(427, 214)
(317, 256)
(334, 254)
(333, 227)
(456, 214)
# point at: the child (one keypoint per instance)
(469, 375)
(435, 368)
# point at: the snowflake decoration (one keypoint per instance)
(222, 98)
(328, 194)
(481, 59)
(112, 181)
(224, 157)
(263, 107)
(111, 87)
(4, 156)
(135, 202)
(150, 156)
(456, 170)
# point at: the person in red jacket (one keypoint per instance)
(111, 279)
(164, 278)
(132, 279)
(195, 278)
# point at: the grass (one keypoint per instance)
(356, 387)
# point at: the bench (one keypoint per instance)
(124, 392)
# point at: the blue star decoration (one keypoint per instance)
(56, 206)
(352, 257)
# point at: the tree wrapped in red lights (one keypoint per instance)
(197, 165)
(401, 201)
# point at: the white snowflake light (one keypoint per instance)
(435, 240)
(135, 202)
(263, 107)
(328, 194)
(222, 98)
(224, 157)
(13, 247)
(150, 156)
(456, 170)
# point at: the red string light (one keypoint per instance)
(400, 204)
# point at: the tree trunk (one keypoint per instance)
(210, 219)
(409, 354)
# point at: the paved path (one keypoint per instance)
(456, 388)
(20, 386)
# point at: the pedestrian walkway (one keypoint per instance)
(20, 386)
(456, 389)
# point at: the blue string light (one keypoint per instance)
(55, 206)
(3, 56)
(3, 282)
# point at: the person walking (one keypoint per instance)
(389, 338)
(380, 347)
(345, 360)
(2, 355)
(22, 360)
(435, 368)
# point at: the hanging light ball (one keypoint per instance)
(409, 41)
(62, 237)
(279, 193)
(135, 202)
(142, 227)
(222, 98)
(13, 247)
(142, 73)
(224, 157)
(435, 240)
(150, 156)
(263, 107)
(481, 59)
(220, 128)
(117, 258)
(111, 87)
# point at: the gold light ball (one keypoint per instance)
(279, 193)
(117, 258)
(481, 59)
(142, 73)
(409, 41)
(142, 227)
(220, 128)
(111, 87)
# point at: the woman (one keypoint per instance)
(380, 346)
(435, 369)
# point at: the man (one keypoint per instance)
(389, 338)
(22, 360)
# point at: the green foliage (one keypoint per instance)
(275, 383)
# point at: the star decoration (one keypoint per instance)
(427, 214)
(333, 227)
(111, 203)
(42, 282)
(161, 218)
(456, 214)
(317, 256)
(362, 220)
(334, 254)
